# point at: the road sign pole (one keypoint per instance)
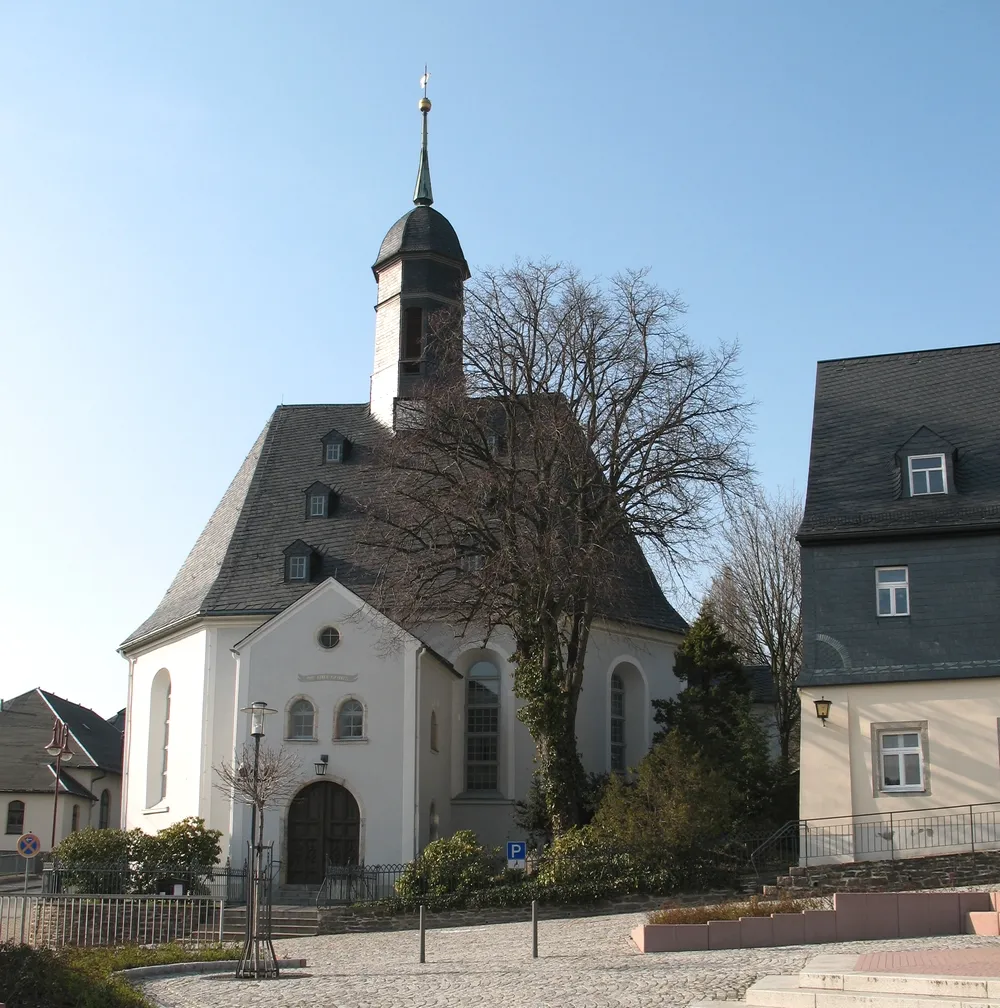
(534, 929)
(26, 865)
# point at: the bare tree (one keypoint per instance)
(757, 597)
(581, 423)
(278, 776)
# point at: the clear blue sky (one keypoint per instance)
(193, 194)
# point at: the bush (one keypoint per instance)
(81, 978)
(753, 907)
(116, 861)
(453, 865)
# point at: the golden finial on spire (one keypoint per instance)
(425, 103)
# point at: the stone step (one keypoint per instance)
(923, 992)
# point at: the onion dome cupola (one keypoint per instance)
(420, 271)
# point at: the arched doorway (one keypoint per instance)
(324, 824)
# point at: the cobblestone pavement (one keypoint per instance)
(583, 963)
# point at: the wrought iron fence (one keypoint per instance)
(226, 883)
(907, 833)
(88, 920)
(11, 863)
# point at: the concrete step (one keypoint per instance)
(922, 992)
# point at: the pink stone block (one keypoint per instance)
(820, 925)
(691, 937)
(914, 915)
(789, 929)
(756, 932)
(943, 913)
(968, 901)
(654, 937)
(983, 922)
(724, 934)
(995, 900)
(852, 921)
(882, 915)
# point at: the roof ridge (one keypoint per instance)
(909, 353)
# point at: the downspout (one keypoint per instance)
(127, 746)
(416, 754)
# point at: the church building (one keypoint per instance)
(403, 736)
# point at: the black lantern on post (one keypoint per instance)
(258, 961)
(822, 709)
(58, 748)
(321, 765)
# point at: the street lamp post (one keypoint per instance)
(58, 748)
(258, 961)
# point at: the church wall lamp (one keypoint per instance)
(321, 764)
(822, 709)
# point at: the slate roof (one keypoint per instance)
(236, 566)
(421, 229)
(761, 683)
(25, 730)
(867, 408)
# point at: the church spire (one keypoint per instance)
(422, 194)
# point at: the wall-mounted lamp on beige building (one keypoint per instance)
(321, 764)
(822, 709)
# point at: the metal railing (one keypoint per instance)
(946, 829)
(359, 883)
(11, 863)
(226, 883)
(89, 920)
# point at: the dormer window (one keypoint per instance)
(300, 561)
(927, 475)
(335, 447)
(321, 501)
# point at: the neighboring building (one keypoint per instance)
(901, 602)
(418, 734)
(764, 696)
(90, 785)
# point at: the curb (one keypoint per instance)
(210, 966)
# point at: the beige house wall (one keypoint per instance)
(961, 766)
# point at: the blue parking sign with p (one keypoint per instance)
(517, 852)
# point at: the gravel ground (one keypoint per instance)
(583, 963)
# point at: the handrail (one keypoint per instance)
(966, 807)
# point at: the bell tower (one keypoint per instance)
(420, 272)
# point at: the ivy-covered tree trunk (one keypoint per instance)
(548, 676)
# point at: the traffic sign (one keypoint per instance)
(517, 853)
(28, 845)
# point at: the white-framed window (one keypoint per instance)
(298, 568)
(104, 815)
(433, 824)
(317, 505)
(434, 731)
(617, 723)
(901, 761)
(328, 637)
(892, 591)
(74, 823)
(482, 728)
(334, 452)
(166, 745)
(301, 720)
(927, 475)
(351, 720)
(472, 563)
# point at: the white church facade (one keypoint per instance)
(403, 735)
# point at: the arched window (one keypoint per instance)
(104, 821)
(159, 738)
(482, 728)
(301, 720)
(74, 823)
(617, 723)
(434, 731)
(351, 720)
(433, 824)
(15, 817)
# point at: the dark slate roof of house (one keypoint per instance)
(236, 565)
(867, 408)
(421, 229)
(761, 683)
(25, 730)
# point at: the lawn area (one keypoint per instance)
(82, 977)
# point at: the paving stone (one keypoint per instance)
(586, 963)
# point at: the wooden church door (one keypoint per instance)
(324, 824)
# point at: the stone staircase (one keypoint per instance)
(286, 922)
(833, 981)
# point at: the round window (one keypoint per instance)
(329, 637)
